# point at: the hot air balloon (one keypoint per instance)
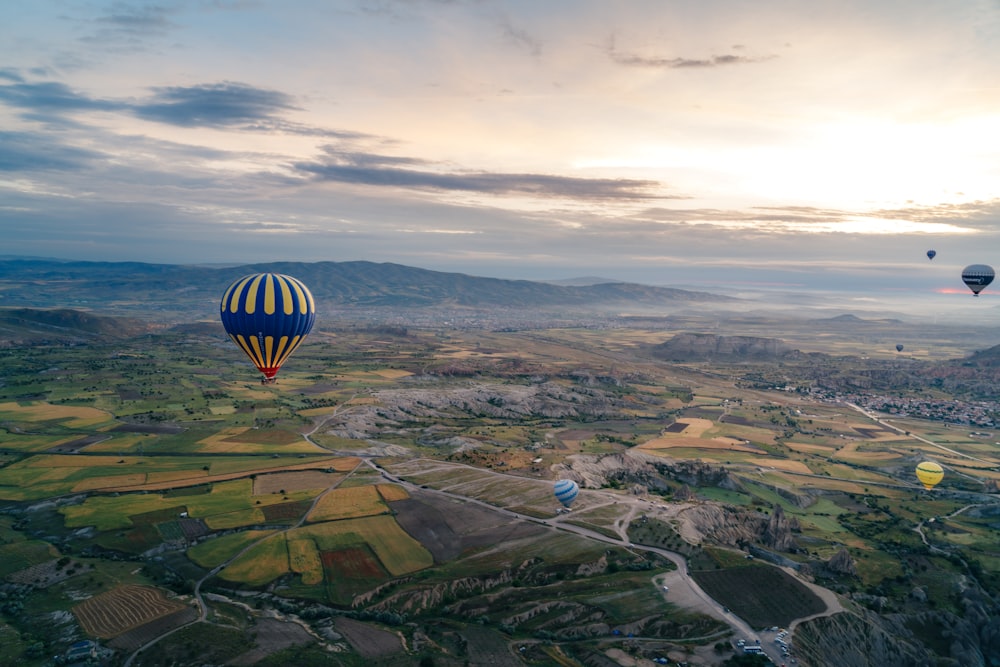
(899, 347)
(929, 474)
(566, 491)
(931, 254)
(977, 277)
(267, 315)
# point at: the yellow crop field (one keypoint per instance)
(393, 373)
(74, 416)
(257, 464)
(298, 480)
(110, 481)
(782, 464)
(262, 563)
(399, 553)
(225, 433)
(695, 426)
(392, 492)
(303, 558)
(174, 475)
(314, 412)
(727, 444)
(234, 471)
(348, 503)
(241, 439)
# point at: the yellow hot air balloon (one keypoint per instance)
(929, 474)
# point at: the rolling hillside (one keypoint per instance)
(151, 288)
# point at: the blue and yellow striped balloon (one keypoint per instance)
(566, 491)
(268, 315)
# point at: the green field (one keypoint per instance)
(215, 552)
(262, 563)
(228, 505)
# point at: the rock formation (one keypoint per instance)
(842, 563)
(778, 533)
(705, 347)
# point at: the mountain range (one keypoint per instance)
(141, 289)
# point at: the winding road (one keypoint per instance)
(683, 590)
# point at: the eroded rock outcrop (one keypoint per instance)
(777, 534)
(842, 563)
(705, 347)
(858, 639)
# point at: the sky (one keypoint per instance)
(728, 144)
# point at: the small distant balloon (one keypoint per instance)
(267, 315)
(977, 277)
(566, 491)
(929, 474)
(899, 347)
(931, 254)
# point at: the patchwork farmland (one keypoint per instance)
(140, 471)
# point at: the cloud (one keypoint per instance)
(769, 220)
(25, 151)
(662, 62)
(50, 96)
(213, 105)
(136, 20)
(226, 104)
(521, 38)
(388, 171)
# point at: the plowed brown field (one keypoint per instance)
(112, 613)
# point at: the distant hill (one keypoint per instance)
(64, 325)
(850, 320)
(988, 358)
(195, 290)
(582, 281)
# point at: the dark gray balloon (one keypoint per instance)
(977, 277)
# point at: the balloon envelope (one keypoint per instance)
(929, 474)
(977, 277)
(566, 491)
(931, 254)
(267, 315)
(899, 348)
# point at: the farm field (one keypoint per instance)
(43, 476)
(123, 608)
(142, 485)
(348, 503)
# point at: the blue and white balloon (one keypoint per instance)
(566, 491)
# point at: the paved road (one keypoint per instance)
(683, 590)
(885, 422)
